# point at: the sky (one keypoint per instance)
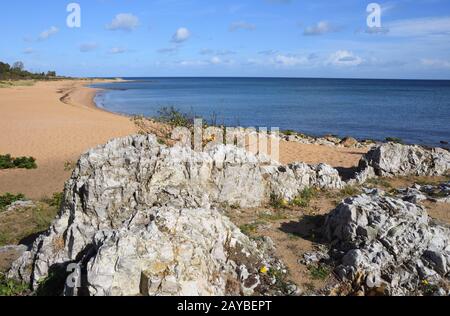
(243, 38)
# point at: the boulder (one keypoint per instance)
(386, 243)
(392, 159)
(349, 142)
(140, 218)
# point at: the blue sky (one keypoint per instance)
(286, 38)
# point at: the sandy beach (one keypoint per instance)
(54, 122)
(57, 121)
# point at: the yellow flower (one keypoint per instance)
(264, 270)
(425, 282)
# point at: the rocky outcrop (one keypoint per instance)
(393, 159)
(141, 218)
(387, 245)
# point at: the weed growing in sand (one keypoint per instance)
(69, 165)
(8, 199)
(249, 229)
(277, 202)
(305, 197)
(10, 287)
(319, 272)
(8, 162)
(379, 182)
(349, 190)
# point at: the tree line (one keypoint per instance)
(17, 71)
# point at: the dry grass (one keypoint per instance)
(19, 225)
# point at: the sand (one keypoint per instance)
(35, 122)
(56, 122)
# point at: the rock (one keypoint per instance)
(141, 218)
(20, 205)
(8, 254)
(349, 142)
(389, 243)
(392, 159)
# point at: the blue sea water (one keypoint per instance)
(414, 110)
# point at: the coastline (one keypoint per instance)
(55, 122)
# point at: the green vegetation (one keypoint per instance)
(277, 202)
(394, 140)
(174, 117)
(10, 287)
(349, 190)
(305, 197)
(249, 229)
(319, 272)
(289, 132)
(8, 162)
(379, 182)
(55, 200)
(8, 199)
(17, 72)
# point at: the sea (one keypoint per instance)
(416, 111)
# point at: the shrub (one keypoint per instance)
(394, 140)
(25, 163)
(7, 162)
(10, 287)
(174, 117)
(8, 199)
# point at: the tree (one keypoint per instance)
(51, 74)
(18, 65)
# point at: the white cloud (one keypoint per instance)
(289, 60)
(323, 27)
(124, 21)
(420, 27)
(241, 25)
(47, 33)
(181, 35)
(344, 58)
(436, 63)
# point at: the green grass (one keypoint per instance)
(55, 200)
(305, 197)
(319, 272)
(379, 182)
(348, 191)
(10, 287)
(8, 162)
(8, 199)
(249, 229)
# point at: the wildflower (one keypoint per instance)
(264, 270)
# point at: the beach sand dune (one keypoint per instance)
(57, 121)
